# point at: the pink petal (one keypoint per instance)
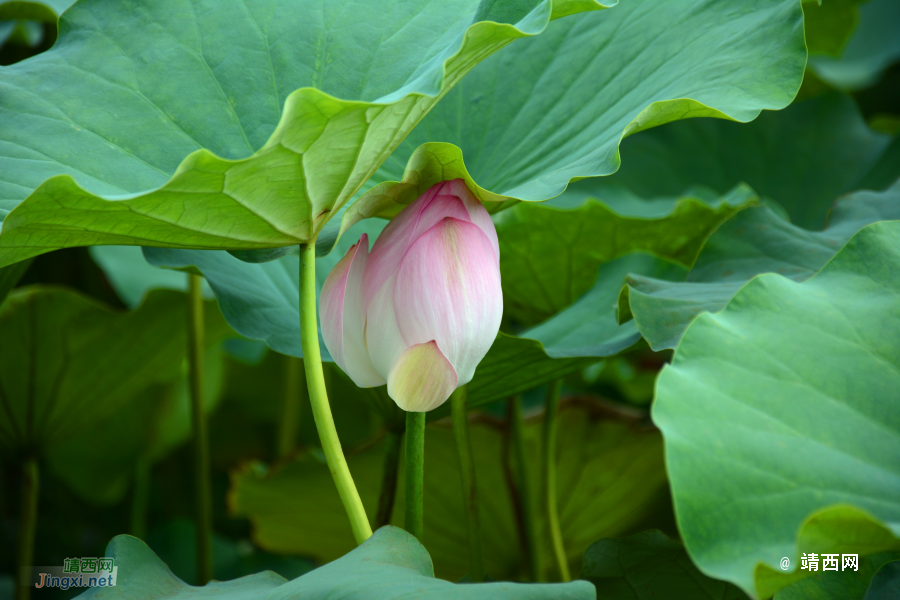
(422, 379)
(445, 199)
(342, 320)
(448, 290)
(396, 239)
(477, 213)
(331, 305)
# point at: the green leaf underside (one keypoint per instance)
(589, 325)
(872, 48)
(132, 278)
(649, 565)
(146, 428)
(843, 529)
(789, 394)
(261, 301)
(391, 564)
(164, 123)
(827, 135)
(553, 108)
(6, 30)
(603, 459)
(753, 242)
(21, 33)
(67, 362)
(550, 253)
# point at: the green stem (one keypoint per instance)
(548, 460)
(392, 442)
(467, 473)
(529, 512)
(141, 497)
(202, 501)
(10, 276)
(290, 410)
(414, 497)
(27, 526)
(318, 398)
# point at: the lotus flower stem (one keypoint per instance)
(467, 471)
(140, 497)
(202, 501)
(27, 526)
(392, 444)
(529, 514)
(290, 411)
(414, 497)
(549, 472)
(318, 398)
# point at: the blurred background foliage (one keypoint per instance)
(127, 468)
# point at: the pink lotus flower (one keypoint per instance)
(422, 309)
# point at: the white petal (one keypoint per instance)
(382, 336)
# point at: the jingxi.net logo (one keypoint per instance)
(77, 572)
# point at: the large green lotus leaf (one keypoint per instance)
(803, 157)
(99, 460)
(67, 362)
(163, 125)
(555, 107)
(391, 564)
(610, 472)
(752, 242)
(873, 47)
(550, 252)
(649, 565)
(175, 542)
(780, 419)
(847, 584)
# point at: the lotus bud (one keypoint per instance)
(420, 310)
